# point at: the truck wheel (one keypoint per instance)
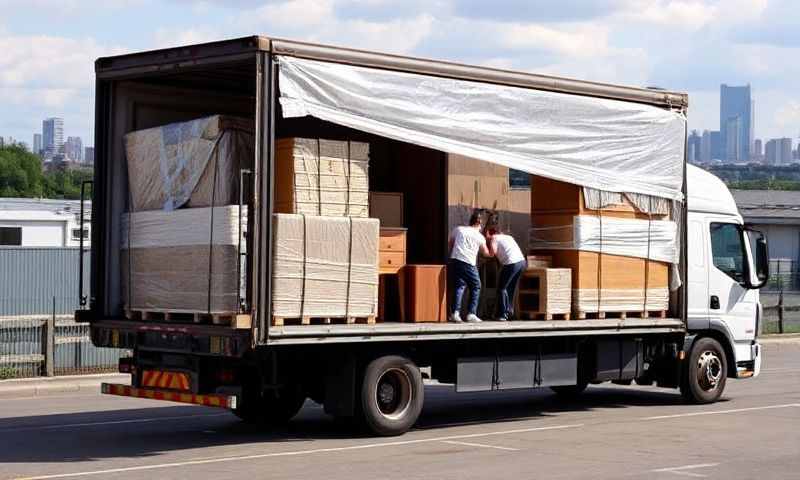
(705, 372)
(275, 407)
(392, 394)
(570, 391)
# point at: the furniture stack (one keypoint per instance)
(180, 240)
(601, 282)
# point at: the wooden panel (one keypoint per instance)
(426, 288)
(616, 271)
(387, 207)
(545, 291)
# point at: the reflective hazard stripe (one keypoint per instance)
(209, 400)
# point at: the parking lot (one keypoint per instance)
(610, 432)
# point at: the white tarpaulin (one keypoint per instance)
(605, 144)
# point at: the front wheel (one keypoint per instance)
(705, 372)
(392, 394)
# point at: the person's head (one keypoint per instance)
(476, 219)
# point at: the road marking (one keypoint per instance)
(110, 422)
(721, 412)
(300, 452)
(481, 445)
(683, 470)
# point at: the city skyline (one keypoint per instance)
(691, 46)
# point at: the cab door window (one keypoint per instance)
(727, 250)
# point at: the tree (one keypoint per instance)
(20, 173)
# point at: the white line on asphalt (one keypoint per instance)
(110, 422)
(720, 412)
(300, 452)
(683, 470)
(481, 445)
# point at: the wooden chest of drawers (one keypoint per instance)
(392, 250)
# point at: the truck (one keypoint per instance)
(373, 373)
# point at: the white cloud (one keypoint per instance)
(293, 13)
(579, 40)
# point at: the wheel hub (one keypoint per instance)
(393, 393)
(709, 368)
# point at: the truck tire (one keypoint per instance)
(391, 397)
(274, 407)
(570, 391)
(705, 372)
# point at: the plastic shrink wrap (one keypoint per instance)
(192, 164)
(324, 266)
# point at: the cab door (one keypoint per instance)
(729, 301)
(697, 278)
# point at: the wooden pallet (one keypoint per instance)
(531, 315)
(235, 320)
(281, 321)
(622, 315)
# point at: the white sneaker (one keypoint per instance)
(472, 318)
(455, 317)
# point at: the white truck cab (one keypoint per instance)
(727, 264)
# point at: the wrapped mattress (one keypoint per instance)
(324, 266)
(181, 261)
(193, 164)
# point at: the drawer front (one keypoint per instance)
(392, 242)
(392, 259)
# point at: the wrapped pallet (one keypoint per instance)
(192, 164)
(181, 261)
(322, 177)
(618, 246)
(324, 267)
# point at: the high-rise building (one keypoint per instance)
(716, 145)
(73, 149)
(736, 122)
(779, 151)
(37, 143)
(53, 137)
(758, 150)
(88, 156)
(693, 147)
(705, 147)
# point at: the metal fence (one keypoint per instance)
(38, 297)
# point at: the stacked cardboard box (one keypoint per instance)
(322, 177)
(180, 261)
(601, 282)
(324, 266)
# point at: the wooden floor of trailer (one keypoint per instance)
(382, 332)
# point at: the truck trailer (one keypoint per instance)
(413, 113)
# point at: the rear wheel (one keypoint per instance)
(392, 394)
(274, 407)
(705, 372)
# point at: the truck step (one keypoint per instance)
(281, 321)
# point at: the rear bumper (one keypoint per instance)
(208, 400)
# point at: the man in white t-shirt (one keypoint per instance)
(508, 253)
(465, 244)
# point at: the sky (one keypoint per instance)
(48, 48)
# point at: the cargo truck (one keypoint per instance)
(414, 112)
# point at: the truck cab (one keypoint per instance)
(727, 264)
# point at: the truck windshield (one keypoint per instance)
(727, 249)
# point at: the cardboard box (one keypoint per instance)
(324, 266)
(188, 164)
(322, 177)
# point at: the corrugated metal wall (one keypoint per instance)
(31, 278)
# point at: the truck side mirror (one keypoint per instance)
(762, 261)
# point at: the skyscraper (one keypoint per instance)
(73, 149)
(693, 145)
(736, 122)
(758, 149)
(779, 151)
(88, 155)
(53, 137)
(37, 143)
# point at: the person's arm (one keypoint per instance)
(486, 251)
(491, 244)
(450, 243)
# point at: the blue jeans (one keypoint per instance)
(506, 286)
(463, 275)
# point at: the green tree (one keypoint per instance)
(66, 182)
(20, 173)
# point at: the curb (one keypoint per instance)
(34, 387)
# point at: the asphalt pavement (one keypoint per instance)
(611, 432)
